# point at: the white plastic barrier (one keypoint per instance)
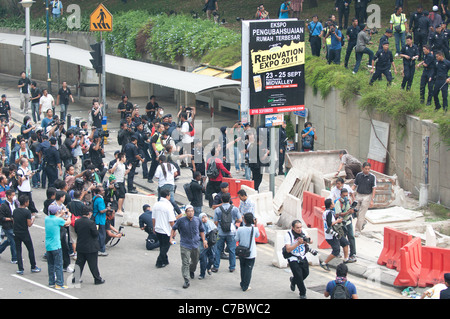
(133, 204)
(264, 208)
(249, 190)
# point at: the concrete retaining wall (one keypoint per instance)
(348, 127)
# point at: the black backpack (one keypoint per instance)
(226, 219)
(307, 142)
(64, 152)
(212, 237)
(340, 291)
(212, 171)
(187, 189)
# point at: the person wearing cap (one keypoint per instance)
(5, 108)
(439, 42)
(384, 60)
(435, 18)
(124, 107)
(217, 201)
(409, 53)
(385, 38)
(399, 25)
(361, 48)
(58, 217)
(191, 232)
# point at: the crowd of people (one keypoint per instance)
(423, 37)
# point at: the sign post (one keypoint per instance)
(273, 65)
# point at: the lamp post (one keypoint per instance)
(49, 77)
(27, 5)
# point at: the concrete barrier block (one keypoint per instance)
(292, 210)
(249, 190)
(133, 204)
(264, 208)
(314, 235)
(278, 259)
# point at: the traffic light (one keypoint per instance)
(96, 60)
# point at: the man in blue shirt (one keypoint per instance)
(226, 236)
(57, 8)
(315, 29)
(334, 54)
(341, 279)
(99, 213)
(191, 230)
(284, 10)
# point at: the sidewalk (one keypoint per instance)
(368, 247)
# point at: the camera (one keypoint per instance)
(353, 206)
(36, 171)
(307, 241)
(104, 133)
(332, 232)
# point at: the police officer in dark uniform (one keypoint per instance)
(443, 6)
(438, 42)
(427, 74)
(422, 27)
(359, 13)
(385, 38)
(352, 36)
(384, 60)
(142, 144)
(413, 21)
(442, 66)
(52, 162)
(343, 9)
(133, 158)
(409, 53)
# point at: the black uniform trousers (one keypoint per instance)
(408, 76)
(424, 81)
(343, 12)
(315, 45)
(440, 86)
(350, 46)
(92, 260)
(377, 75)
(51, 172)
(420, 39)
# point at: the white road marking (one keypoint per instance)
(45, 287)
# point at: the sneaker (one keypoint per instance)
(357, 234)
(396, 55)
(214, 269)
(150, 180)
(324, 266)
(303, 297)
(249, 288)
(13, 261)
(201, 277)
(353, 72)
(36, 269)
(104, 254)
(369, 66)
(191, 274)
(186, 284)
(58, 287)
(209, 272)
(68, 269)
(19, 272)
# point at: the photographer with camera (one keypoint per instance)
(334, 234)
(112, 232)
(296, 244)
(344, 210)
(261, 13)
(96, 154)
(120, 171)
(334, 53)
(24, 152)
(399, 25)
(24, 176)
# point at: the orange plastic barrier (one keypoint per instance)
(236, 202)
(410, 264)
(435, 263)
(318, 222)
(235, 185)
(310, 200)
(262, 239)
(393, 241)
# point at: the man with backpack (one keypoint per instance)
(341, 288)
(308, 137)
(194, 192)
(225, 218)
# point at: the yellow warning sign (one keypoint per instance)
(101, 19)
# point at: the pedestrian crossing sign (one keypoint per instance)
(101, 20)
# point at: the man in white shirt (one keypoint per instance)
(186, 139)
(46, 102)
(163, 220)
(335, 192)
(24, 175)
(119, 170)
